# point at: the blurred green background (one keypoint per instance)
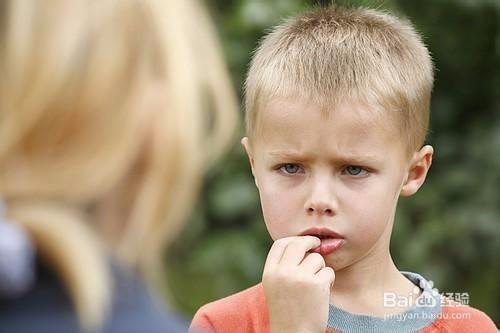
(449, 231)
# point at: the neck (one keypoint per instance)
(360, 287)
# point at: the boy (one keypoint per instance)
(337, 103)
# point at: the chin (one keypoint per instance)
(335, 262)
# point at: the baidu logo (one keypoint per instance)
(428, 298)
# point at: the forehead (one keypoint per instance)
(350, 128)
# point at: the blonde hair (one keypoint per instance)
(110, 110)
(334, 54)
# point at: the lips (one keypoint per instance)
(330, 240)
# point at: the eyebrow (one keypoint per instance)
(344, 158)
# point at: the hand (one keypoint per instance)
(297, 286)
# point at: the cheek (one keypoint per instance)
(281, 210)
(372, 214)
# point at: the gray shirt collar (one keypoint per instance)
(425, 310)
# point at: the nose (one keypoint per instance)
(320, 208)
(321, 200)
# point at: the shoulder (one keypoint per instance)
(456, 317)
(49, 307)
(243, 311)
(134, 305)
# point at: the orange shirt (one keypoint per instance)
(246, 311)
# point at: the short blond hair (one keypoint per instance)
(334, 54)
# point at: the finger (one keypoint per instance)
(276, 251)
(327, 274)
(312, 263)
(297, 249)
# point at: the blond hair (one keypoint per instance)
(331, 55)
(108, 116)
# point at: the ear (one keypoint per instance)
(245, 142)
(419, 166)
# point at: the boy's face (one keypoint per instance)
(340, 170)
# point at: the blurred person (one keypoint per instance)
(110, 111)
(337, 111)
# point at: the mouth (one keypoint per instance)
(330, 240)
(321, 233)
(323, 236)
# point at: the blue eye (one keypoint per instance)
(354, 170)
(290, 168)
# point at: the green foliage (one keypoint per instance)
(449, 231)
